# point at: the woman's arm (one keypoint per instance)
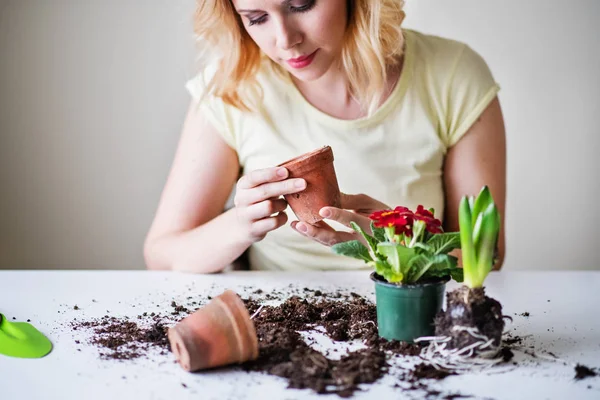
(478, 159)
(190, 212)
(190, 231)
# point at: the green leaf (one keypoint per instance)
(371, 241)
(457, 274)
(418, 229)
(354, 249)
(466, 242)
(393, 277)
(448, 266)
(418, 265)
(443, 243)
(422, 264)
(380, 267)
(384, 269)
(447, 262)
(477, 230)
(425, 247)
(397, 255)
(482, 202)
(487, 245)
(378, 233)
(427, 236)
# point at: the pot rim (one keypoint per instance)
(324, 151)
(379, 280)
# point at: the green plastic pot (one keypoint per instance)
(406, 312)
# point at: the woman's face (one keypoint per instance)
(303, 36)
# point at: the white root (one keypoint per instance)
(257, 311)
(461, 360)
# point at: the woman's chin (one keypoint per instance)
(307, 74)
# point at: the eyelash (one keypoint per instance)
(304, 8)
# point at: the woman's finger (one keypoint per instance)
(261, 176)
(263, 226)
(324, 225)
(327, 237)
(274, 189)
(361, 202)
(345, 217)
(319, 224)
(265, 209)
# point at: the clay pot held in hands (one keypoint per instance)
(217, 334)
(322, 188)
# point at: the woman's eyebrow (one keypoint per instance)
(284, 3)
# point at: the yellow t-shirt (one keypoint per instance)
(395, 155)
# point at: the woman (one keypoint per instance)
(412, 119)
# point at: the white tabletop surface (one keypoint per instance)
(564, 320)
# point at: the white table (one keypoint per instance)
(564, 320)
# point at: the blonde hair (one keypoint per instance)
(373, 42)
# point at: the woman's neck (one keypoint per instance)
(331, 95)
(330, 89)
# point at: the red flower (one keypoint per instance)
(403, 210)
(401, 218)
(433, 225)
(407, 227)
(421, 211)
(388, 218)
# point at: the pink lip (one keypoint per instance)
(303, 61)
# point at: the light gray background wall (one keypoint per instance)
(92, 100)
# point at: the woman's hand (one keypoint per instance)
(258, 205)
(355, 208)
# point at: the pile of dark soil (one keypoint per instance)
(470, 308)
(127, 339)
(283, 352)
(121, 339)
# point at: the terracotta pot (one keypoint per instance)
(322, 188)
(217, 334)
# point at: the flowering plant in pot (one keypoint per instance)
(409, 252)
(473, 323)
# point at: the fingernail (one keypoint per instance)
(302, 228)
(282, 172)
(325, 213)
(300, 184)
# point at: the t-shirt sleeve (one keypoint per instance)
(214, 109)
(471, 88)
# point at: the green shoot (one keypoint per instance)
(479, 222)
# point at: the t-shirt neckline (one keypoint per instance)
(381, 113)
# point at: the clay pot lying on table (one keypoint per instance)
(316, 168)
(217, 334)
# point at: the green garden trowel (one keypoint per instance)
(20, 339)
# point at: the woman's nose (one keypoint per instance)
(288, 36)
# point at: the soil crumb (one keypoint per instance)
(582, 372)
(427, 371)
